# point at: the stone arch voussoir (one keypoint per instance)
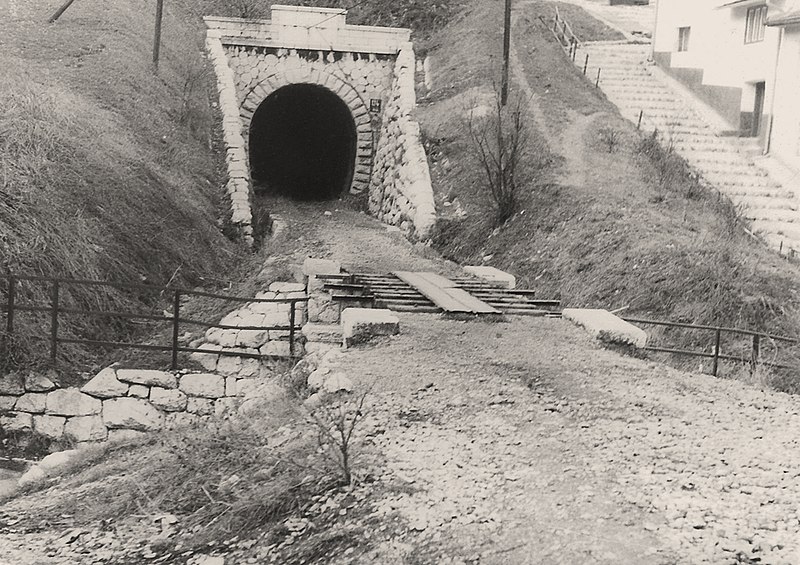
(345, 91)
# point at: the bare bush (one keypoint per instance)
(501, 143)
(336, 420)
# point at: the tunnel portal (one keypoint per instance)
(303, 143)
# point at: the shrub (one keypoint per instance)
(510, 159)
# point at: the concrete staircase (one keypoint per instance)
(634, 85)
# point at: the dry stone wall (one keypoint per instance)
(275, 343)
(117, 403)
(238, 183)
(400, 192)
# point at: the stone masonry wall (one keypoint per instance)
(238, 184)
(356, 78)
(117, 403)
(400, 192)
(257, 342)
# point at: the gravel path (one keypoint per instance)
(531, 445)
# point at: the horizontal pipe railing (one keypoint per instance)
(716, 355)
(56, 311)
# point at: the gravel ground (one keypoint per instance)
(529, 444)
(524, 442)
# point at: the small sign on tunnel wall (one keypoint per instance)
(375, 105)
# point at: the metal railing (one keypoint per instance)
(716, 355)
(55, 310)
(565, 36)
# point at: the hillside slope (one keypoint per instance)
(599, 228)
(109, 171)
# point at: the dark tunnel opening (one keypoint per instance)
(303, 143)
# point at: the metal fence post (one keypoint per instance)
(597, 80)
(12, 296)
(717, 338)
(176, 323)
(639, 123)
(292, 305)
(54, 322)
(586, 64)
(754, 353)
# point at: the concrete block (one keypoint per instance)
(362, 324)
(606, 327)
(492, 274)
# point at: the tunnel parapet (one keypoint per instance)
(253, 59)
(401, 192)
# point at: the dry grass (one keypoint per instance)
(228, 478)
(628, 228)
(107, 170)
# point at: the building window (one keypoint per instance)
(683, 38)
(756, 24)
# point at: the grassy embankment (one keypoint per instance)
(109, 171)
(599, 229)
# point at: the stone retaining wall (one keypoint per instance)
(117, 403)
(238, 184)
(400, 193)
(355, 78)
(256, 342)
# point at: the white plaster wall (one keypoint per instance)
(716, 44)
(786, 124)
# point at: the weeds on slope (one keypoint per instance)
(634, 228)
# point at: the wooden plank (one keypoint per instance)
(443, 293)
(435, 294)
(438, 280)
(474, 304)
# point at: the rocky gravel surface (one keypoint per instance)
(528, 444)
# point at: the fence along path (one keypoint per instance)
(55, 311)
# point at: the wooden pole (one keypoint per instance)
(61, 10)
(157, 35)
(506, 53)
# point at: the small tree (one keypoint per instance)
(500, 140)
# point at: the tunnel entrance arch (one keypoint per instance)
(314, 85)
(303, 143)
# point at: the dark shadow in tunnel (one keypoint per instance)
(303, 143)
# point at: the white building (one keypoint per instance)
(742, 58)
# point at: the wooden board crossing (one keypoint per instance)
(444, 293)
(463, 294)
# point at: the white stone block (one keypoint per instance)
(71, 402)
(86, 428)
(204, 384)
(51, 427)
(169, 400)
(106, 385)
(132, 414)
(362, 324)
(147, 377)
(33, 402)
(606, 327)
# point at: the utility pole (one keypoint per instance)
(506, 53)
(157, 36)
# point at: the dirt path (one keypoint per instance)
(361, 243)
(528, 444)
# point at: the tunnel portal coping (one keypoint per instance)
(303, 27)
